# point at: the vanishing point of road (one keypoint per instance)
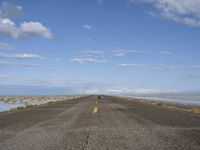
(89, 123)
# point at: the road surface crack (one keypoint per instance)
(86, 147)
(88, 136)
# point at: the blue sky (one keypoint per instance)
(99, 46)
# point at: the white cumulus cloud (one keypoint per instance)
(25, 29)
(35, 28)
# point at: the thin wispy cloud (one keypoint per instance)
(123, 52)
(183, 57)
(125, 90)
(21, 56)
(87, 60)
(194, 67)
(5, 46)
(194, 75)
(133, 65)
(9, 10)
(79, 86)
(120, 52)
(155, 67)
(89, 56)
(166, 52)
(100, 1)
(185, 11)
(92, 52)
(105, 88)
(5, 63)
(88, 39)
(25, 29)
(166, 67)
(161, 68)
(88, 27)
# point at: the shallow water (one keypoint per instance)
(182, 98)
(6, 106)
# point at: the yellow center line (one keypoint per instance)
(95, 110)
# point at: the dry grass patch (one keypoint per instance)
(195, 110)
(17, 109)
(30, 106)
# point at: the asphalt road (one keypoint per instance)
(106, 124)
